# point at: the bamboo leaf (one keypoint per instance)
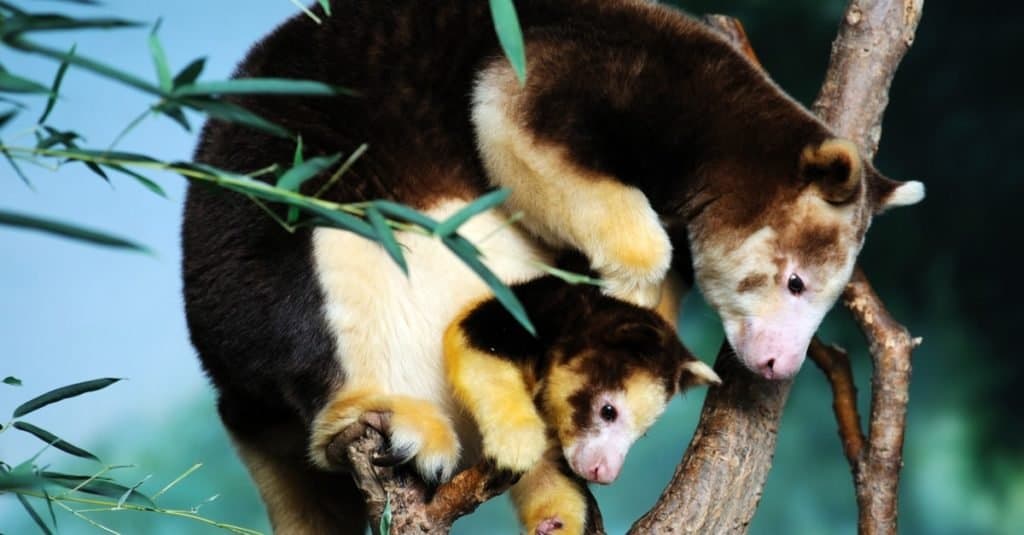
(53, 440)
(235, 114)
(386, 517)
(471, 257)
(11, 380)
(7, 116)
(326, 4)
(34, 22)
(386, 237)
(510, 35)
(98, 486)
(34, 515)
(482, 204)
(404, 213)
(12, 83)
(259, 86)
(55, 87)
(293, 178)
(22, 476)
(62, 393)
(156, 50)
(175, 112)
(146, 183)
(190, 73)
(67, 230)
(17, 170)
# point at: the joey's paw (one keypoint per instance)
(516, 446)
(642, 294)
(549, 526)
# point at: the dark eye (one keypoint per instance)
(608, 413)
(795, 284)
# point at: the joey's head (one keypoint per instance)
(772, 255)
(608, 383)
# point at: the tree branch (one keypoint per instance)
(415, 507)
(877, 472)
(835, 363)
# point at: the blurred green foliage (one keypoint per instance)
(944, 268)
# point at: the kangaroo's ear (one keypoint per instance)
(639, 337)
(835, 168)
(696, 373)
(885, 193)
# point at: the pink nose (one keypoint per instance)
(778, 368)
(602, 473)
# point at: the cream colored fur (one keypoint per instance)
(388, 327)
(566, 205)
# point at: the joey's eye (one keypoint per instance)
(795, 284)
(608, 413)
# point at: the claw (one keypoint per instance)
(392, 457)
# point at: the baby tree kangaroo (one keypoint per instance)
(564, 407)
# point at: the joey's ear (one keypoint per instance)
(696, 373)
(885, 193)
(834, 167)
(637, 337)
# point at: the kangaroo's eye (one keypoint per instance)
(608, 413)
(795, 284)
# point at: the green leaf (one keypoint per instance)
(62, 393)
(53, 440)
(49, 506)
(326, 4)
(293, 178)
(386, 237)
(190, 73)
(98, 486)
(6, 117)
(386, 517)
(88, 64)
(35, 516)
(55, 87)
(258, 86)
(175, 112)
(404, 213)
(146, 183)
(22, 476)
(156, 50)
(470, 256)
(11, 380)
(235, 114)
(67, 230)
(482, 204)
(17, 170)
(12, 83)
(510, 35)
(35, 22)
(342, 220)
(298, 158)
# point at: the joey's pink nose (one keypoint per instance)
(603, 473)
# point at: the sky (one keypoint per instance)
(71, 312)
